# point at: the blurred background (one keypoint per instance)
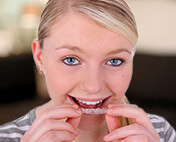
(153, 84)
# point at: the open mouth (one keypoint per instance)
(91, 107)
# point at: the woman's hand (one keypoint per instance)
(50, 126)
(140, 131)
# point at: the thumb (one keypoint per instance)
(112, 122)
(74, 121)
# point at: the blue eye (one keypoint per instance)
(115, 62)
(71, 61)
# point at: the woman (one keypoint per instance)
(85, 49)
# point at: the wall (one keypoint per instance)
(156, 23)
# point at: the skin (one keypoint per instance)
(92, 77)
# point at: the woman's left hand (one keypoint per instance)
(140, 131)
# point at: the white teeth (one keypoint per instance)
(90, 103)
(94, 111)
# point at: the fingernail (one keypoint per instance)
(109, 110)
(112, 105)
(75, 106)
(107, 137)
(79, 111)
(73, 136)
(76, 132)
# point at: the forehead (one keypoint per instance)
(78, 30)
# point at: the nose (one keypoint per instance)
(92, 81)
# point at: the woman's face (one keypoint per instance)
(84, 60)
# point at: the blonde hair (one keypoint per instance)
(112, 14)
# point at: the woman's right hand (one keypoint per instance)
(51, 127)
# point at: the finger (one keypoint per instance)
(63, 110)
(51, 125)
(137, 115)
(136, 138)
(123, 105)
(117, 104)
(112, 122)
(57, 136)
(74, 121)
(56, 113)
(128, 131)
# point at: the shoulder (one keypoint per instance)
(14, 130)
(164, 129)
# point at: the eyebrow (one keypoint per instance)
(119, 51)
(75, 48)
(70, 47)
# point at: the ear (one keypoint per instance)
(37, 54)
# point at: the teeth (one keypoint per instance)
(90, 103)
(94, 111)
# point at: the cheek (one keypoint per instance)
(119, 83)
(59, 84)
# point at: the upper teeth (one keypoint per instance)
(90, 103)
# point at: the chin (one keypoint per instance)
(91, 121)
